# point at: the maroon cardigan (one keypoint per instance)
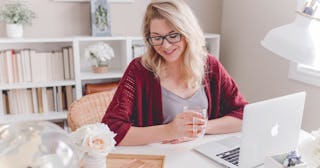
(137, 101)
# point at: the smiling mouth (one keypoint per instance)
(169, 52)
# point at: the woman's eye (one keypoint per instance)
(157, 38)
(173, 35)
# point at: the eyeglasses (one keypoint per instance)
(171, 38)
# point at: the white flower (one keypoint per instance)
(316, 144)
(100, 51)
(94, 139)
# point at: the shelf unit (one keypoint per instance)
(122, 47)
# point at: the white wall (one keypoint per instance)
(259, 73)
(59, 19)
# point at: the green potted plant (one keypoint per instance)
(16, 14)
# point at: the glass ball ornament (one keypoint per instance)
(37, 144)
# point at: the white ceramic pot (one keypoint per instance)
(14, 30)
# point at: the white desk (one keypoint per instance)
(182, 155)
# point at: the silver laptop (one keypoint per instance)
(269, 127)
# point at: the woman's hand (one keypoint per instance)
(186, 124)
(176, 141)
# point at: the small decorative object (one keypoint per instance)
(284, 160)
(37, 144)
(15, 15)
(95, 141)
(310, 149)
(292, 159)
(100, 18)
(99, 52)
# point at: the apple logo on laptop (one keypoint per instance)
(275, 130)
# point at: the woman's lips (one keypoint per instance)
(169, 52)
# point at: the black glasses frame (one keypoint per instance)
(166, 37)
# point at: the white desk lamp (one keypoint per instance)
(298, 41)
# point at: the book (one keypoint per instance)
(59, 99)
(71, 62)
(65, 53)
(8, 57)
(100, 87)
(138, 50)
(69, 96)
(29, 103)
(55, 98)
(20, 76)
(39, 100)
(28, 77)
(60, 65)
(34, 100)
(3, 73)
(50, 98)
(12, 100)
(44, 99)
(14, 66)
(3, 108)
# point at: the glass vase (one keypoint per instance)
(98, 161)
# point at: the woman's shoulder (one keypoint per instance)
(212, 61)
(137, 66)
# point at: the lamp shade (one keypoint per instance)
(298, 41)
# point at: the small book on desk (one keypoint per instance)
(135, 161)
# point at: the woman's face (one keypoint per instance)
(172, 51)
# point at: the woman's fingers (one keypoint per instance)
(178, 140)
(187, 124)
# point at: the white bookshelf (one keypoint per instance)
(28, 117)
(122, 47)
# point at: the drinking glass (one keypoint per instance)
(203, 112)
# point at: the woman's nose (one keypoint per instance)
(166, 43)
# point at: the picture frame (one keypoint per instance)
(110, 1)
(100, 18)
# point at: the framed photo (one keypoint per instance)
(111, 1)
(100, 18)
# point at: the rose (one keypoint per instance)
(94, 139)
(316, 144)
(100, 51)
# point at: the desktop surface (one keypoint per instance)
(183, 155)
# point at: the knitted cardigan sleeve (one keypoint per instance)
(226, 97)
(118, 113)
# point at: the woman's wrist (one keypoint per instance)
(168, 131)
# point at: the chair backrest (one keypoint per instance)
(89, 109)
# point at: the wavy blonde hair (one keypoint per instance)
(178, 15)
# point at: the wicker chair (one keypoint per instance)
(89, 109)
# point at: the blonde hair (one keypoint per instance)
(178, 15)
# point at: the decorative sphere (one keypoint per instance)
(36, 144)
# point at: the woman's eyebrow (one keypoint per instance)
(157, 34)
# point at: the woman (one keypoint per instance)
(175, 72)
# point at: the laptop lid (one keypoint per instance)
(270, 127)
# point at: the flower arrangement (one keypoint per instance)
(16, 13)
(309, 149)
(94, 139)
(316, 150)
(100, 52)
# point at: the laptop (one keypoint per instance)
(269, 127)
